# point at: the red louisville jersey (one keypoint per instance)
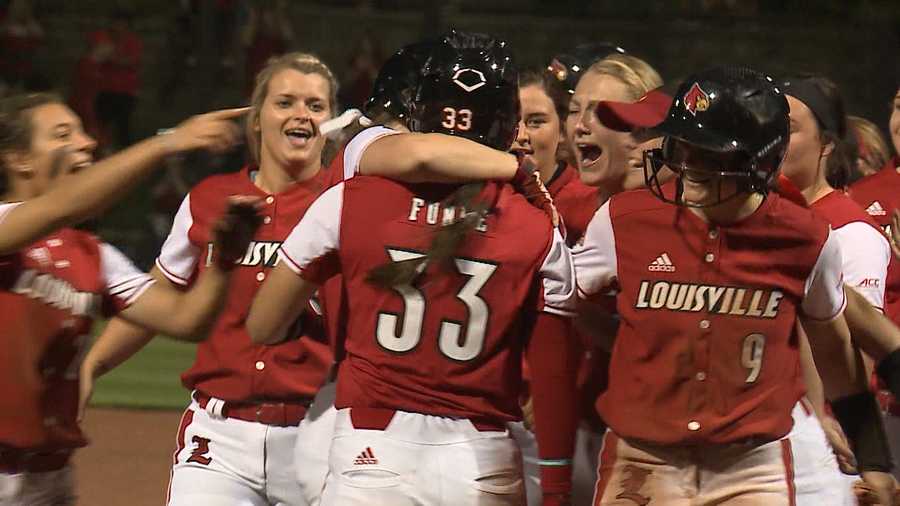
(51, 292)
(575, 201)
(345, 166)
(879, 195)
(865, 251)
(451, 343)
(706, 350)
(228, 365)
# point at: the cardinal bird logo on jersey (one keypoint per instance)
(696, 99)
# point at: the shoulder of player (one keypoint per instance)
(795, 221)
(636, 201)
(219, 184)
(574, 189)
(208, 196)
(839, 210)
(882, 181)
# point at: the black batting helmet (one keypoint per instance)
(396, 83)
(729, 110)
(469, 88)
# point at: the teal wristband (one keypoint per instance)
(555, 462)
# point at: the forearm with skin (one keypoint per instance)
(268, 321)
(119, 341)
(838, 361)
(871, 329)
(815, 392)
(437, 158)
(186, 315)
(82, 196)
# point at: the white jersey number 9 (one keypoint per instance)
(457, 119)
(450, 341)
(752, 355)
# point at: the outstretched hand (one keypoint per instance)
(233, 232)
(213, 131)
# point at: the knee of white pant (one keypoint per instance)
(192, 486)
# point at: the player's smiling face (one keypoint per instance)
(698, 170)
(806, 151)
(294, 107)
(59, 146)
(539, 127)
(894, 124)
(600, 153)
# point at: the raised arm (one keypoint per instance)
(188, 314)
(307, 258)
(269, 323)
(438, 158)
(88, 192)
(118, 342)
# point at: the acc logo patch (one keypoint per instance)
(469, 79)
(696, 99)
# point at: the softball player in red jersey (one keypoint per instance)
(819, 147)
(417, 423)
(52, 289)
(539, 135)
(707, 334)
(236, 441)
(879, 195)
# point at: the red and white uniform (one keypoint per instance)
(438, 362)
(879, 195)
(576, 203)
(865, 255)
(865, 250)
(706, 354)
(238, 435)
(50, 294)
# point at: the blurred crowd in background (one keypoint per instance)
(129, 68)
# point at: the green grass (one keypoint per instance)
(151, 379)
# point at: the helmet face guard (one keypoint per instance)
(746, 181)
(730, 111)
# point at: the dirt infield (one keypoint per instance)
(128, 460)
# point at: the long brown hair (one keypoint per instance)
(301, 62)
(16, 128)
(444, 244)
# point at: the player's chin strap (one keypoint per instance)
(861, 420)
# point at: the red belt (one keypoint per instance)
(379, 418)
(278, 414)
(14, 460)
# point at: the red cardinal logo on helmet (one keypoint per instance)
(696, 99)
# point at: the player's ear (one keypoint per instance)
(828, 148)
